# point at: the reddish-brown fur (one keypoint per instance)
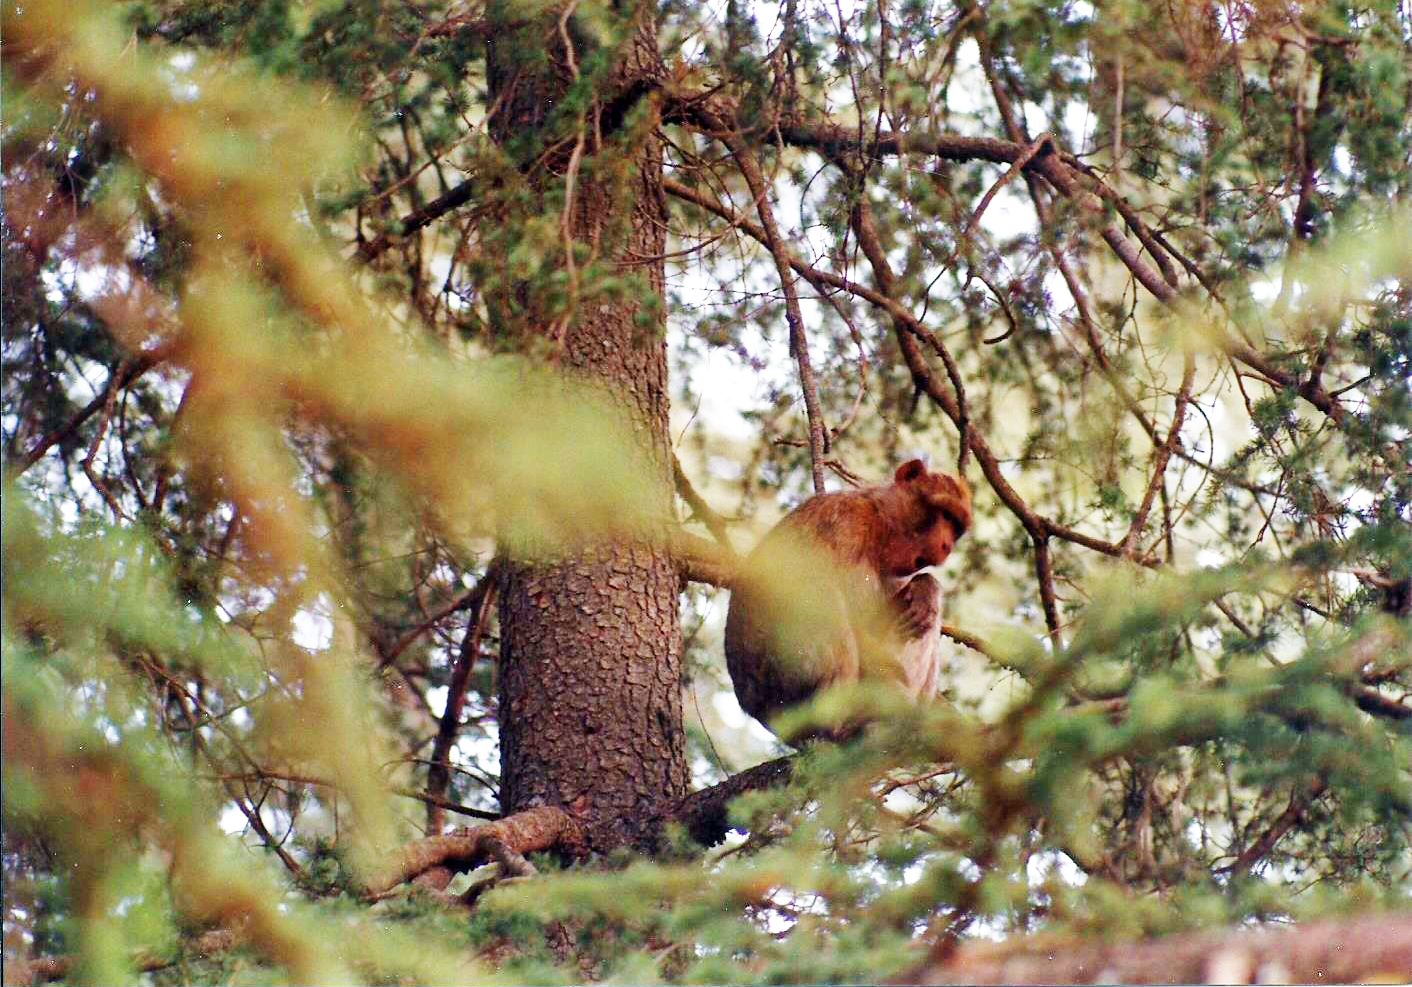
(798, 617)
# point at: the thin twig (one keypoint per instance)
(1043, 142)
(1161, 456)
(798, 340)
(125, 376)
(479, 602)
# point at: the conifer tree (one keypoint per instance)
(392, 392)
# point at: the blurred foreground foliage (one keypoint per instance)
(270, 481)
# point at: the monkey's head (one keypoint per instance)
(930, 511)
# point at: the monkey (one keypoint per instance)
(804, 614)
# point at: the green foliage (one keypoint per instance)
(270, 410)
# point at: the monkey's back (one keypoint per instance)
(788, 629)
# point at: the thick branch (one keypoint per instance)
(419, 218)
(389, 653)
(703, 561)
(541, 828)
(703, 813)
(1160, 457)
(1076, 290)
(701, 510)
(1044, 576)
(971, 641)
(1375, 948)
(1257, 851)
(1057, 170)
(1374, 703)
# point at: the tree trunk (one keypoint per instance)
(590, 664)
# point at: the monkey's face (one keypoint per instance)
(926, 543)
(932, 511)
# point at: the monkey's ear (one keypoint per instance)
(910, 470)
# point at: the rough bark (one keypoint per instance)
(590, 674)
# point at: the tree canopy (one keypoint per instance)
(393, 388)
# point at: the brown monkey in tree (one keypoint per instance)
(841, 591)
